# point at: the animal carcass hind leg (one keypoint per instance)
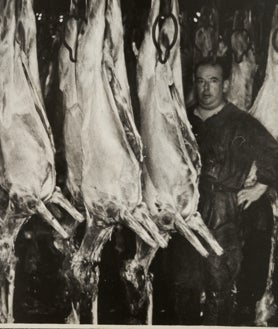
(138, 280)
(85, 263)
(61, 201)
(185, 231)
(51, 220)
(9, 231)
(11, 279)
(196, 223)
(74, 317)
(3, 304)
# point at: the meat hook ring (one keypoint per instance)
(160, 19)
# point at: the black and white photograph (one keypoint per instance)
(139, 163)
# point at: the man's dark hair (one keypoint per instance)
(223, 63)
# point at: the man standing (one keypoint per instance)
(229, 140)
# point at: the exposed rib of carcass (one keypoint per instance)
(265, 110)
(103, 147)
(244, 64)
(27, 172)
(172, 162)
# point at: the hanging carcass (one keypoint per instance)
(171, 158)
(265, 110)
(206, 34)
(27, 174)
(243, 70)
(244, 64)
(265, 105)
(208, 44)
(103, 148)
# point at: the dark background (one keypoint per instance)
(52, 7)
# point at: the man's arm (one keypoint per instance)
(264, 151)
(250, 194)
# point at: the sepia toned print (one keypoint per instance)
(139, 162)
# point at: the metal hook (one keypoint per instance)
(68, 47)
(156, 42)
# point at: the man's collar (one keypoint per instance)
(205, 114)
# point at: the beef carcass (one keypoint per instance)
(265, 110)
(103, 147)
(244, 68)
(172, 162)
(244, 65)
(27, 174)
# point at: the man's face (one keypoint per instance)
(210, 86)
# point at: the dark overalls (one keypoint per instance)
(229, 142)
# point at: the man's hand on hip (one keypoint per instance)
(250, 194)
